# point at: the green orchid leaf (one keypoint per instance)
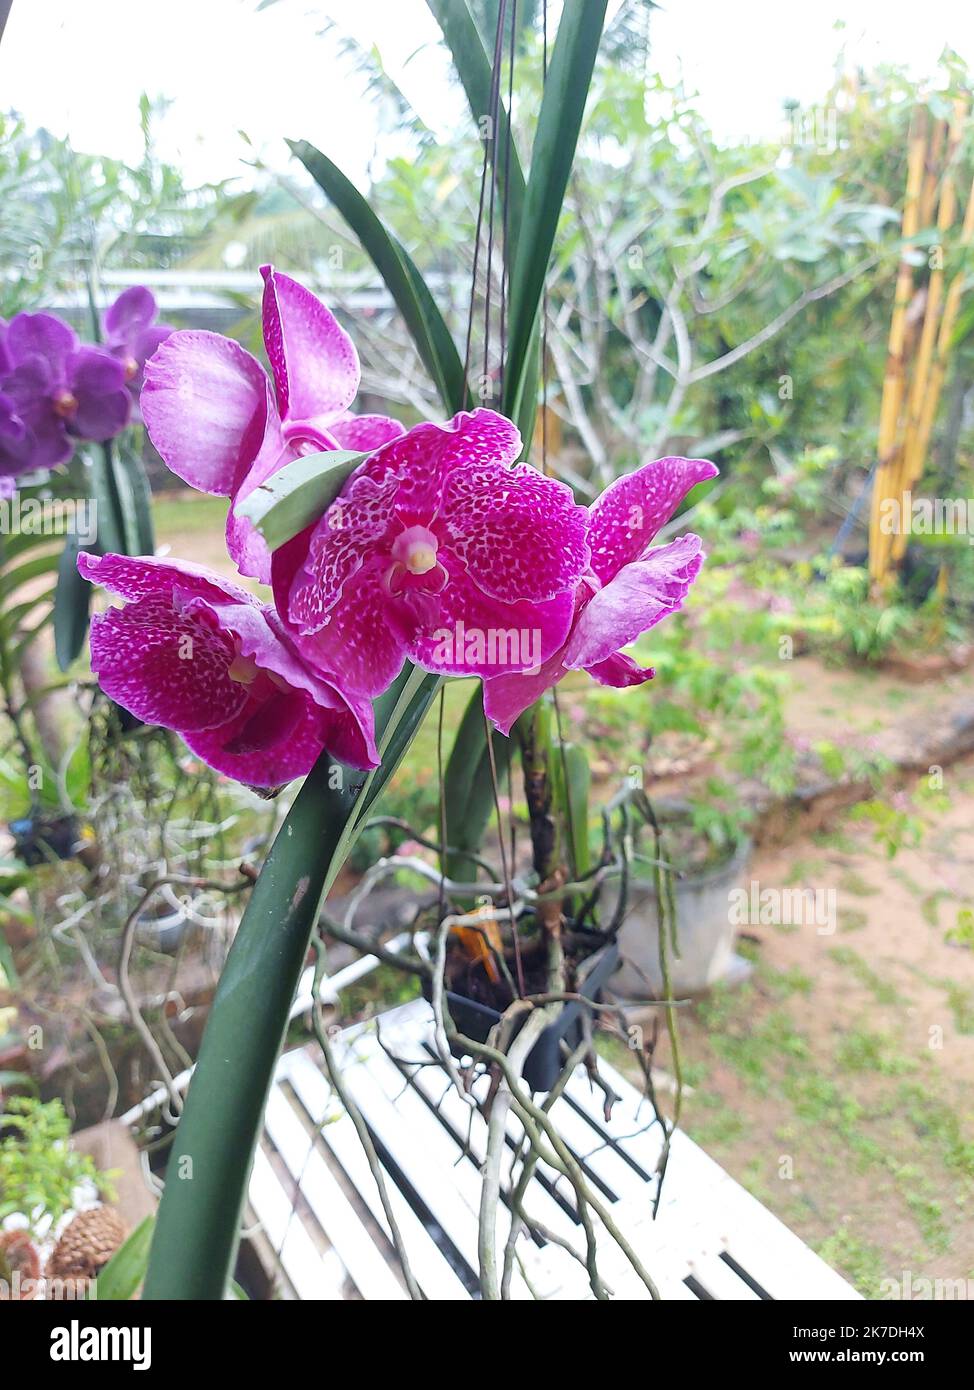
(298, 494)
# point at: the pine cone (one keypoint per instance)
(17, 1253)
(86, 1245)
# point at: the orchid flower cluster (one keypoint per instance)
(56, 392)
(439, 549)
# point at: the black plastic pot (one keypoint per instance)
(544, 1062)
(38, 839)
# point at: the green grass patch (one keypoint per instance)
(882, 991)
(932, 1119)
(191, 512)
(859, 887)
(863, 1051)
(960, 1000)
(852, 919)
(858, 1260)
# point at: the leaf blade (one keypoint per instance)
(298, 494)
(72, 602)
(196, 1234)
(473, 65)
(401, 277)
(552, 155)
(123, 1274)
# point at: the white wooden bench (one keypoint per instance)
(315, 1200)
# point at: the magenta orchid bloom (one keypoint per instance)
(199, 655)
(218, 424)
(55, 391)
(132, 335)
(628, 589)
(439, 550)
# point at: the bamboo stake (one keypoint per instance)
(941, 361)
(893, 380)
(931, 180)
(911, 461)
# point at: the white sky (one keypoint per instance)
(79, 66)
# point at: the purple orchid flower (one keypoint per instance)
(215, 420)
(628, 589)
(132, 335)
(436, 539)
(197, 654)
(16, 443)
(56, 391)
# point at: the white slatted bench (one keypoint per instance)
(315, 1199)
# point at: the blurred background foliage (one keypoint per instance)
(731, 301)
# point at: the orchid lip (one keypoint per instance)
(393, 577)
(435, 579)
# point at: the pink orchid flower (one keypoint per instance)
(627, 590)
(199, 655)
(438, 549)
(218, 424)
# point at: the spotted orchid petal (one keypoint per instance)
(639, 596)
(134, 578)
(352, 644)
(195, 653)
(425, 457)
(518, 534)
(349, 533)
(165, 666)
(624, 520)
(364, 433)
(475, 635)
(236, 750)
(506, 697)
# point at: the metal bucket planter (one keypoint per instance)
(705, 932)
(163, 931)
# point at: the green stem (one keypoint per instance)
(196, 1236)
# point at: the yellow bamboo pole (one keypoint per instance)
(910, 464)
(931, 178)
(893, 380)
(941, 362)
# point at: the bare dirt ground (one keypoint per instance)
(838, 1083)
